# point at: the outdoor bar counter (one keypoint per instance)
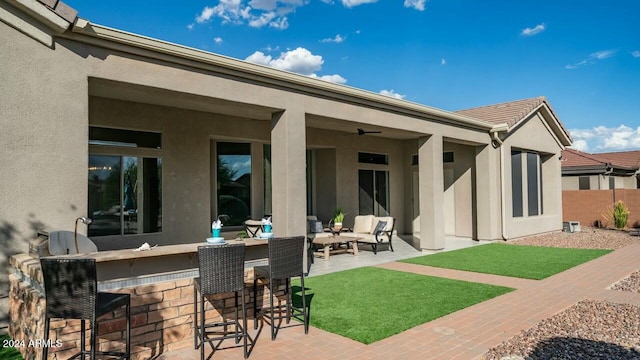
(160, 282)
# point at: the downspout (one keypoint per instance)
(496, 142)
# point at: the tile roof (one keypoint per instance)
(573, 157)
(622, 160)
(630, 159)
(510, 112)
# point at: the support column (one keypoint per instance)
(488, 193)
(289, 190)
(431, 195)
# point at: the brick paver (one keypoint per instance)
(465, 334)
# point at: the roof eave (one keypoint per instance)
(84, 31)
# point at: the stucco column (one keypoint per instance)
(431, 193)
(488, 201)
(288, 179)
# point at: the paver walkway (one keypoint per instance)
(466, 334)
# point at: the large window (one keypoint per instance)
(125, 191)
(527, 188)
(234, 182)
(373, 192)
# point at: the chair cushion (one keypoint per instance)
(314, 227)
(387, 219)
(362, 224)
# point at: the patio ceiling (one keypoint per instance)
(351, 127)
(157, 96)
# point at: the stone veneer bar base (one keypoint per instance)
(161, 316)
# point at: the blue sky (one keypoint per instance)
(450, 54)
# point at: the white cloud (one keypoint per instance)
(337, 39)
(593, 58)
(190, 26)
(358, 31)
(416, 4)
(580, 145)
(534, 30)
(205, 15)
(602, 138)
(300, 61)
(255, 13)
(218, 40)
(352, 3)
(335, 78)
(443, 61)
(392, 93)
(635, 54)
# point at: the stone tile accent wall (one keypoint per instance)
(161, 318)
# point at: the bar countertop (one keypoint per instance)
(162, 250)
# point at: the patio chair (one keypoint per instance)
(373, 230)
(285, 262)
(221, 271)
(71, 293)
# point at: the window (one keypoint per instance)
(612, 182)
(516, 183)
(533, 193)
(125, 191)
(584, 183)
(447, 157)
(531, 186)
(234, 182)
(373, 192)
(370, 158)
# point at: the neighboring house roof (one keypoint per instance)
(575, 162)
(514, 112)
(630, 159)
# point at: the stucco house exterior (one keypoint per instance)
(155, 140)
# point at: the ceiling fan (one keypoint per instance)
(362, 131)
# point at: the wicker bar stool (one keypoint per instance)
(71, 293)
(285, 262)
(221, 271)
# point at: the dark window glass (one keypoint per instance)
(516, 183)
(532, 183)
(125, 195)
(373, 192)
(369, 158)
(267, 178)
(414, 159)
(584, 183)
(612, 182)
(447, 157)
(126, 138)
(234, 182)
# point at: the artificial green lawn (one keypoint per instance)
(529, 262)
(8, 353)
(369, 304)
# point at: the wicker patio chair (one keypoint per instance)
(285, 262)
(221, 271)
(71, 293)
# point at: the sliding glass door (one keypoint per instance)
(373, 192)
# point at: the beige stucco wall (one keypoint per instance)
(43, 117)
(598, 182)
(546, 145)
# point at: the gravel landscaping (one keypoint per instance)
(588, 238)
(589, 329)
